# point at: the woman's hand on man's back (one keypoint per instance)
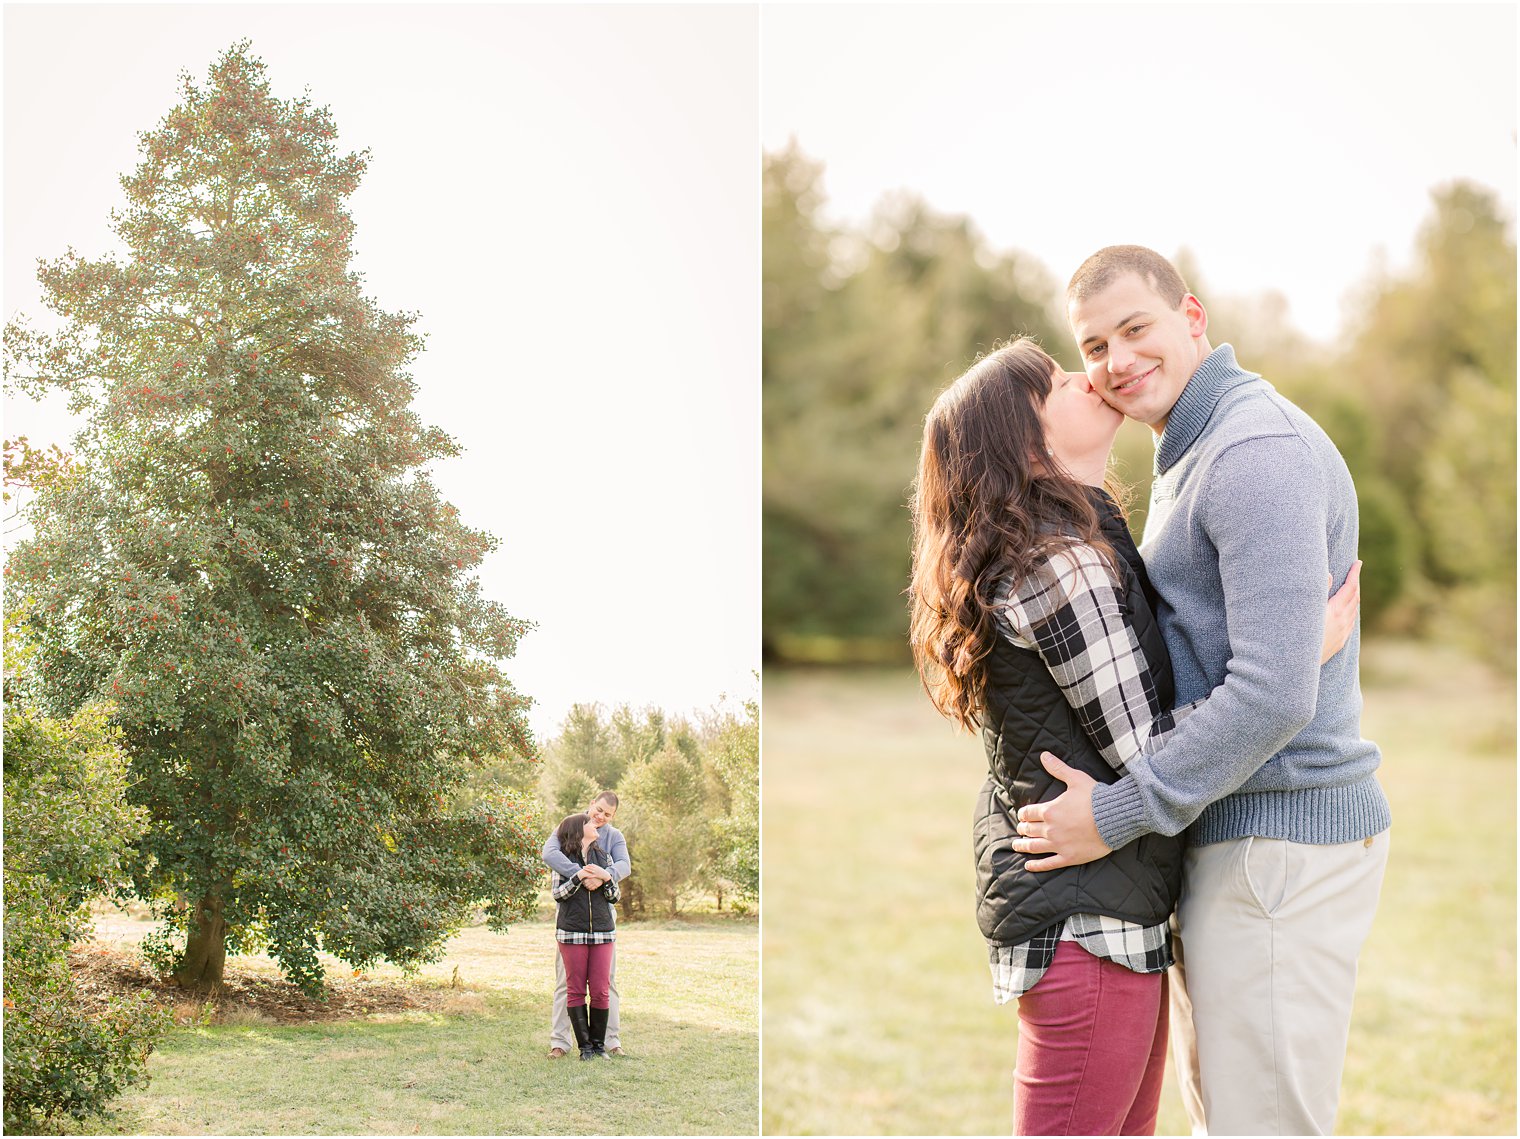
(1340, 613)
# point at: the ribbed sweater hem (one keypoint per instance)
(1319, 816)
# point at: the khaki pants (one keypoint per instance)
(1268, 936)
(560, 1035)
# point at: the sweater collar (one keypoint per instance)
(1214, 377)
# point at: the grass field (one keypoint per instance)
(878, 1010)
(473, 1061)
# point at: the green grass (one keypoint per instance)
(479, 1067)
(878, 1009)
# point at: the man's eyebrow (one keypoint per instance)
(1119, 324)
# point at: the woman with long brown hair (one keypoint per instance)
(1033, 621)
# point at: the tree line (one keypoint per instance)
(689, 798)
(864, 324)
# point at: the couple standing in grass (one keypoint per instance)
(587, 858)
(1208, 688)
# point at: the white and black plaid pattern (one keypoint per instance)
(562, 888)
(598, 938)
(1071, 612)
(1139, 948)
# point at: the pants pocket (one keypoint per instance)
(1265, 870)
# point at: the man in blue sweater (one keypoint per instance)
(1252, 512)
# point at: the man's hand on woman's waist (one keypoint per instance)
(1063, 827)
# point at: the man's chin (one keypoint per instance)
(1135, 410)
(1115, 406)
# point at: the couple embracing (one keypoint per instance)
(587, 858)
(1181, 826)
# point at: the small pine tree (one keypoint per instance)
(662, 818)
(734, 758)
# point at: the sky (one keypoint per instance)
(569, 196)
(1287, 147)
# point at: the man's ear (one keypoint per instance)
(1197, 317)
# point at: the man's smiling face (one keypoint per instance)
(1139, 351)
(601, 812)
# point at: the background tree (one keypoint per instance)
(594, 749)
(1437, 346)
(251, 563)
(689, 796)
(662, 816)
(734, 757)
(586, 743)
(639, 733)
(67, 826)
(567, 791)
(861, 330)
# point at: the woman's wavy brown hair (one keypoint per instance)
(986, 514)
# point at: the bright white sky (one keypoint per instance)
(1282, 144)
(570, 198)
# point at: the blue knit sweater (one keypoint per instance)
(1251, 508)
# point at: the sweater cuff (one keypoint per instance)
(1118, 812)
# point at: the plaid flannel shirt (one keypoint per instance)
(1071, 612)
(562, 889)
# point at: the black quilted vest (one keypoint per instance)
(587, 911)
(1026, 714)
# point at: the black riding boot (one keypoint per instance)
(582, 1030)
(598, 1026)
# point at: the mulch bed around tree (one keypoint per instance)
(102, 972)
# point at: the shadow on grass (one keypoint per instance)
(483, 1074)
(467, 1052)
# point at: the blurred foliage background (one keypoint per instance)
(864, 325)
(689, 799)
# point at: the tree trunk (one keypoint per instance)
(206, 947)
(632, 900)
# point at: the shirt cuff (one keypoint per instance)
(1119, 813)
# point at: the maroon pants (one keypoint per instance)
(1092, 1049)
(587, 966)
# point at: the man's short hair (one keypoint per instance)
(608, 797)
(1101, 269)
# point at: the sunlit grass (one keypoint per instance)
(878, 1012)
(479, 1067)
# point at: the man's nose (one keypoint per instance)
(1120, 358)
